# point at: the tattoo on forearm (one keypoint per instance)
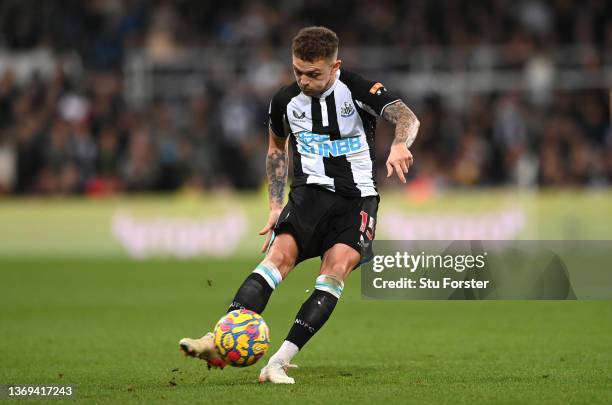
(406, 123)
(276, 168)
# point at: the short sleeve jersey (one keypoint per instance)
(332, 135)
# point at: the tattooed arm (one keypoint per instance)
(276, 168)
(406, 128)
(406, 123)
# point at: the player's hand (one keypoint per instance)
(400, 159)
(267, 230)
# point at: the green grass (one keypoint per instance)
(111, 327)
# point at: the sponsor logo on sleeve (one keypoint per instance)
(377, 89)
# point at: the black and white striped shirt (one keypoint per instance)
(332, 135)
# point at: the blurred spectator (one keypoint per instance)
(140, 167)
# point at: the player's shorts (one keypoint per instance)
(318, 219)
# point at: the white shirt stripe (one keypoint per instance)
(324, 116)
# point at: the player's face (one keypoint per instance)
(314, 77)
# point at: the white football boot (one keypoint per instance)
(276, 373)
(202, 348)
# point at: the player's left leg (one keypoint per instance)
(337, 264)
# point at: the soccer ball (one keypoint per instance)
(241, 337)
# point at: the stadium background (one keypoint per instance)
(132, 186)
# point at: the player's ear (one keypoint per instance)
(336, 65)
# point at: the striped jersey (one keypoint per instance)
(332, 135)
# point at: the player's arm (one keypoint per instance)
(276, 169)
(406, 129)
(378, 101)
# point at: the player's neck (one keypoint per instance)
(329, 84)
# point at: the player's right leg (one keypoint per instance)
(253, 294)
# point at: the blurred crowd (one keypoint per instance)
(66, 132)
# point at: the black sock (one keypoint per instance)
(253, 294)
(311, 317)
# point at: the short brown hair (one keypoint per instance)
(312, 43)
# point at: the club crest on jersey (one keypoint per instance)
(299, 116)
(347, 109)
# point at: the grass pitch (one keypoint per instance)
(111, 327)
